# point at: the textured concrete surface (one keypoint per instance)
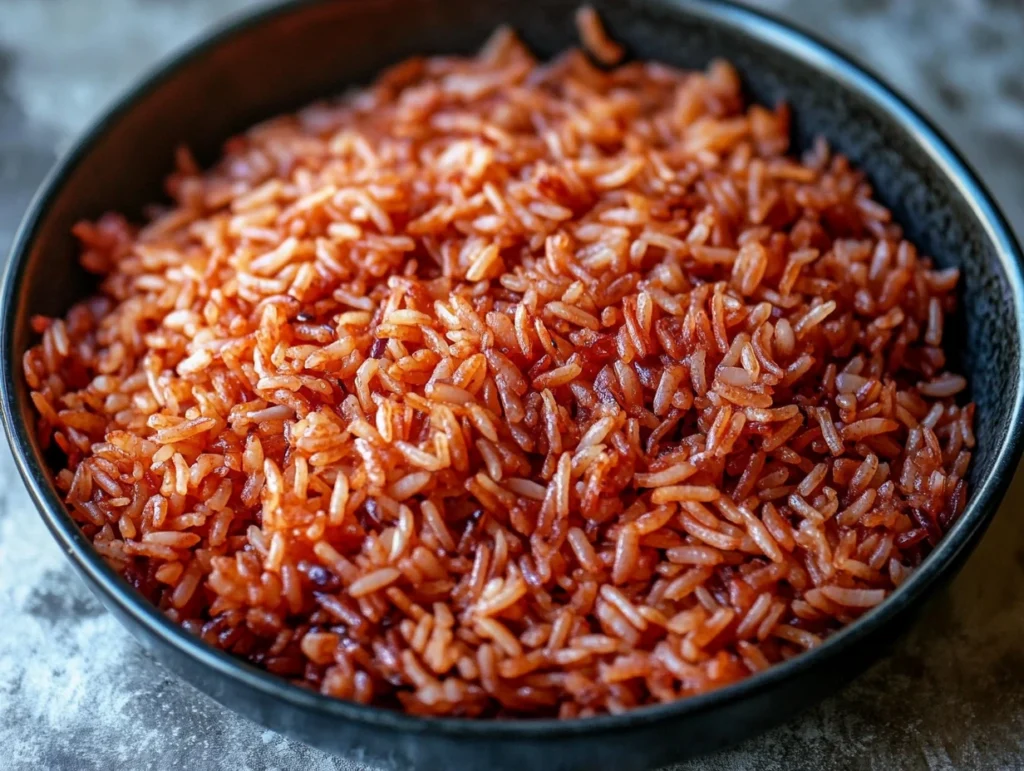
(77, 693)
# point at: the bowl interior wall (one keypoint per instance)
(285, 62)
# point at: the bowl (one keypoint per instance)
(281, 58)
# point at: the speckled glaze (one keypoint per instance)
(281, 59)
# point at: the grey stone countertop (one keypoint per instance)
(76, 692)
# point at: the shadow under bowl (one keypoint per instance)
(279, 59)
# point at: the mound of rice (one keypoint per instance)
(507, 388)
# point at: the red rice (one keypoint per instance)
(506, 388)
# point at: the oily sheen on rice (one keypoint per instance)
(506, 388)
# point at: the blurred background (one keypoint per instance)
(77, 693)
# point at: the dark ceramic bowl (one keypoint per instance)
(282, 58)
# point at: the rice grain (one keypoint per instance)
(503, 388)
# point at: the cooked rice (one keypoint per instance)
(506, 388)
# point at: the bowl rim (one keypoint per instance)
(802, 46)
